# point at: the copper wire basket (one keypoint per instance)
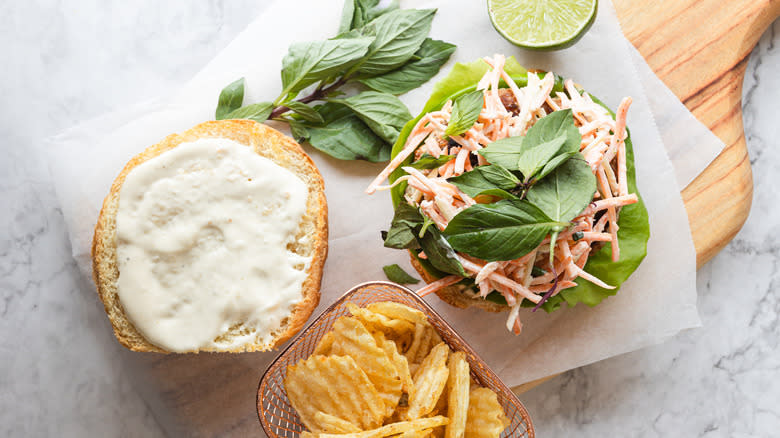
(277, 415)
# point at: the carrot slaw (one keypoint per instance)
(510, 112)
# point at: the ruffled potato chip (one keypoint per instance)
(485, 418)
(398, 311)
(394, 428)
(309, 385)
(429, 382)
(392, 328)
(425, 338)
(457, 395)
(400, 362)
(323, 347)
(330, 424)
(353, 339)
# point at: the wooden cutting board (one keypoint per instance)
(700, 49)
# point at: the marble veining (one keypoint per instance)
(61, 370)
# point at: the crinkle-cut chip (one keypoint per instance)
(416, 434)
(390, 327)
(429, 382)
(310, 388)
(353, 339)
(425, 338)
(394, 310)
(420, 339)
(441, 404)
(486, 418)
(394, 428)
(329, 424)
(400, 362)
(457, 395)
(323, 347)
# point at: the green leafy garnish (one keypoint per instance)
(403, 230)
(439, 252)
(430, 57)
(383, 113)
(397, 274)
(258, 112)
(384, 48)
(343, 135)
(505, 230)
(357, 13)
(230, 99)
(429, 162)
(547, 144)
(565, 192)
(492, 179)
(397, 35)
(305, 112)
(465, 112)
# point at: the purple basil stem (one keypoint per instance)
(548, 294)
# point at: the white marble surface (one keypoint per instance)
(61, 371)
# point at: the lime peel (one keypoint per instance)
(542, 24)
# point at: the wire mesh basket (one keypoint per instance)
(277, 415)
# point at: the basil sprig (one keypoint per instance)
(383, 48)
(548, 144)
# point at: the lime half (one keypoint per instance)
(542, 24)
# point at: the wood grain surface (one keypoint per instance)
(700, 49)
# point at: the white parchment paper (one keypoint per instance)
(655, 303)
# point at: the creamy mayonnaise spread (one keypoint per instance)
(202, 234)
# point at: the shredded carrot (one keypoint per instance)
(439, 284)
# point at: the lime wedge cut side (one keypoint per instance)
(542, 24)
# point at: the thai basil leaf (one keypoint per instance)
(439, 253)
(535, 156)
(465, 112)
(378, 10)
(258, 112)
(230, 99)
(397, 274)
(305, 112)
(552, 135)
(357, 13)
(344, 136)
(485, 178)
(431, 55)
(402, 234)
(309, 62)
(564, 193)
(398, 35)
(504, 152)
(429, 162)
(348, 15)
(505, 230)
(401, 237)
(546, 145)
(299, 131)
(384, 113)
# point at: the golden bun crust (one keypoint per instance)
(311, 238)
(452, 294)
